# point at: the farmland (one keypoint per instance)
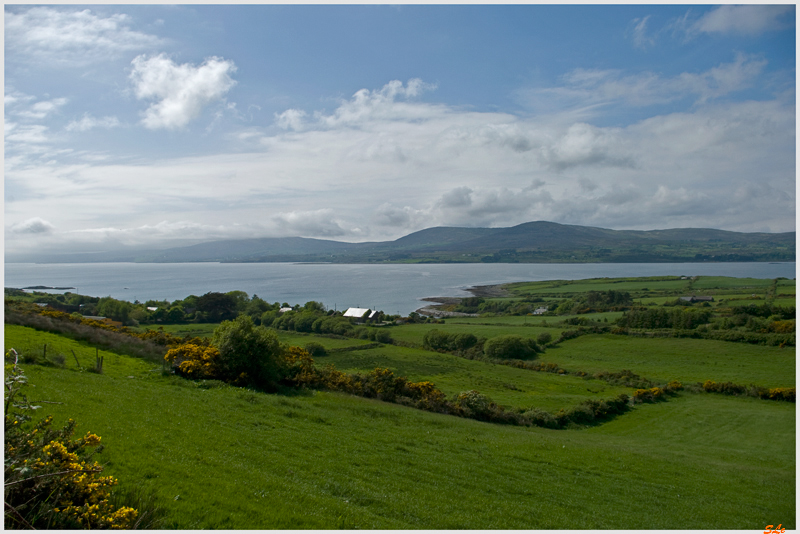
(219, 456)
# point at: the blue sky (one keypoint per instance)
(157, 125)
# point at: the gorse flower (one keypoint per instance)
(50, 479)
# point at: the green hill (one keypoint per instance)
(533, 242)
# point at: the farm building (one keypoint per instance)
(359, 313)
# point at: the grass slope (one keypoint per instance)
(231, 458)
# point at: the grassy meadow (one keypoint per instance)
(223, 457)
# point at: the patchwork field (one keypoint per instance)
(218, 456)
(231, 458)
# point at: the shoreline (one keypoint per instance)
(434, 310)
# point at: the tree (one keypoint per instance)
(117, 310)
(217, 306)
(249, 354)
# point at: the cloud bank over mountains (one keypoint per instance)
(697, 149)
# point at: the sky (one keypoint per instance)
(152, 126)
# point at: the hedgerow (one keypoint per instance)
(729, 388)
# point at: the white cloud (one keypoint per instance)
(584, 144)
(583, 87)
(346, 180)
(25, 134)
(291, 119)
(35, 225)
(745, 20)
(88, 122)
(181, 91)
(641, 39)
(381, 104)
(71, 37)
(319, 223)
(40, 110)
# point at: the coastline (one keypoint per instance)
(434, 310)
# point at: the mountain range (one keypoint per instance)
(532, 242)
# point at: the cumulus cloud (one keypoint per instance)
(291, 119)
(35, 225)
(382, 104)
(459, 167)
(584, 144)
(315, 223)
(181, 91)
(69, 37)
(456, 198)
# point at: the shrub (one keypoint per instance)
(511, 346)
(475, 405)
(544, 338)
(249, 354)
(50, 479)
(194, 361)
(316, 349)
(539, 417)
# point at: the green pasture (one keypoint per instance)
(508, 386)
(502, 320)
(236, 459)
(656, 284)
(29, 342)
(684, 359)
(725, 282)
(300, 339)
(413, 333)
(183, 330)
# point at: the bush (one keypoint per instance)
(511, 347)
(316, 349)
(193, 361)
(475, 405)
(51, 481)
(544, 338)
(249, 354)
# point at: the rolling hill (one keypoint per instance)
(532, 242)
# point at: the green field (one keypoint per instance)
(232, 458)
(686, 360)
(223, 457)
(508, 386)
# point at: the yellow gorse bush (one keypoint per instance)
(50, 479)
(195, 361)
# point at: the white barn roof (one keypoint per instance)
(356, 312)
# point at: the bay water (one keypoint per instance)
(392, 288)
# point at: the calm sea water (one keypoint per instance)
(391, 288)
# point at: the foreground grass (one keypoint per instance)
(223, 457)
(232, 458)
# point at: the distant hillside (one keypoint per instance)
(533, 242)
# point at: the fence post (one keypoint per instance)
(76, 359)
